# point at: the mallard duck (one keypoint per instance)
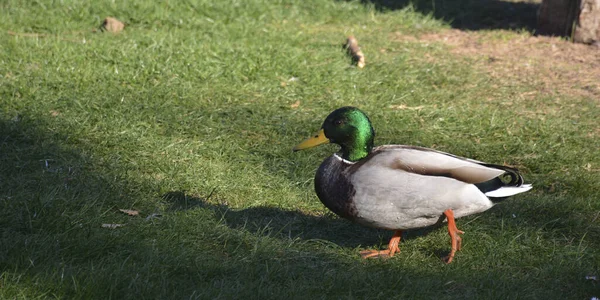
(398, 187)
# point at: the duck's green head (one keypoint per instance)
(348, 127)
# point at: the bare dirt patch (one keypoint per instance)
(553, 65)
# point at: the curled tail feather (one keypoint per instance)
(501, 187)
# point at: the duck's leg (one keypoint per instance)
(392, 248)
(454, 235)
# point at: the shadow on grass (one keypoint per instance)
(470, 14)
(499, 275)
(54, 198)
(292, 224)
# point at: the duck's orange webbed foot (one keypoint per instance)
(454, 235)
(391, 250)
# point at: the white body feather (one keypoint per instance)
(395, 198)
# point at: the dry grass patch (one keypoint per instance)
(553, 65)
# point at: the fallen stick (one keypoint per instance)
(355, 52)
(44, 35)
(26, 34)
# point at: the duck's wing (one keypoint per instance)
(429, 162)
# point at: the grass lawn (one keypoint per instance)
(189, 116)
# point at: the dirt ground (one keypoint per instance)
(555, 65)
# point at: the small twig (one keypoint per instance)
(26, 34)
(43, 35)
(210, 194)
(354, 50)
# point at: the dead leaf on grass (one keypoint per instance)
(54, 113)
(130, 212)
(295, 104)
(354, 50)
(112, 226)
(112, 25)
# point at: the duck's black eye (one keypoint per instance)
(338, 122)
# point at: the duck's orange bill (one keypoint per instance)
(314, 141)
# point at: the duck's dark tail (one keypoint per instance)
(505, 185)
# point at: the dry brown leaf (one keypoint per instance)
(112, 226)
(130, 212)
(296, 104)
(112, 25)
(355, 52)
(54, 113)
